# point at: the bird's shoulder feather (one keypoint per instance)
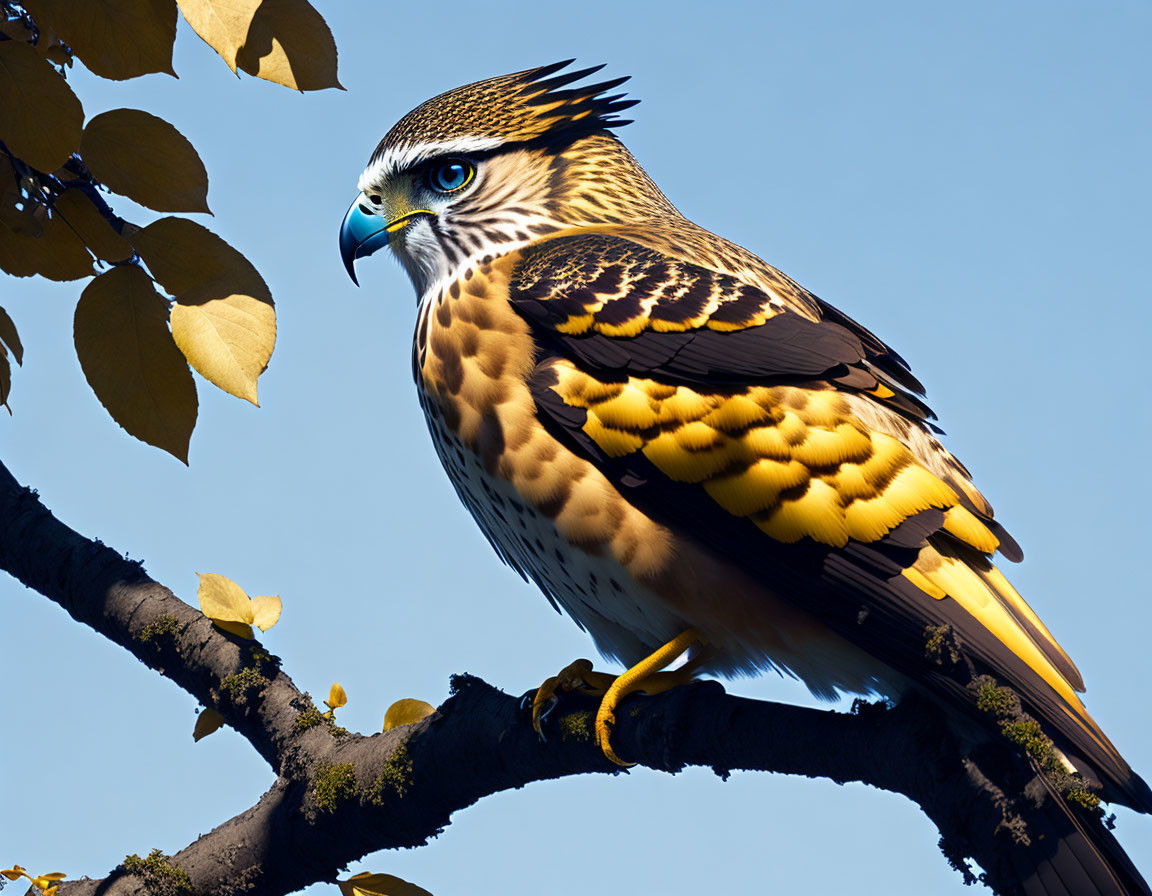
(616, 304)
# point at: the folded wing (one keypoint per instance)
(797, 444)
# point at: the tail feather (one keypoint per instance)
(1073, 854)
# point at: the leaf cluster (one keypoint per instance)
(162, 298)
(168, 297)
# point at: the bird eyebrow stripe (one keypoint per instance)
(387, 161)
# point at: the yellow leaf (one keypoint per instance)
(222, 600)
(227, 340)
(146, 159)
(406, 712)
(130, 361)
(43, 881)
(336, 696)
(116, 39)
(289, 43)
(265, 612)
(222, 24)
(208, 721)
(224, 320)
(239, 629)
(10, 337)
(285, 41)
(40, 117)
(56, 252)
(368, 884)
(15, 872)
(87, 222)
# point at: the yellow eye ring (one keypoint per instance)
(450, 175)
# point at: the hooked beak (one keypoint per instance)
(363, 233)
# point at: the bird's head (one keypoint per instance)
(488, 167)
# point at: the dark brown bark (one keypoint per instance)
(339, 796)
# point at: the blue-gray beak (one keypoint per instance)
(361, 234)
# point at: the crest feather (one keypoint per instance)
(517, 108)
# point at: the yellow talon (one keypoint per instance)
(647, 676)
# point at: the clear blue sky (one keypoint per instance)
(971, 181)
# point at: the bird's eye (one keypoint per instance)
(450, 175)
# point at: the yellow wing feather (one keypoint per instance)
(795, 458)
(991, 600)
(799, 462)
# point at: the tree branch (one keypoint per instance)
(339, 796)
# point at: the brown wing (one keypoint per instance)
(757, 431)
(619, 306)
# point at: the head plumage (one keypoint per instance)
(515, 108)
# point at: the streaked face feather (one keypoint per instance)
(520, 193)
(387, 161)
(488, 217)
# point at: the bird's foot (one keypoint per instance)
(647, 676)
(577, 677)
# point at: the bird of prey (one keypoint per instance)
(687, 451)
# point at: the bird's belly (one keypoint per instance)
(625, 619)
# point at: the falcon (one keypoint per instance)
(689, 453)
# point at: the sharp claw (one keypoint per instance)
(540, 716)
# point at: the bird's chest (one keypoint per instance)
(549, 513)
